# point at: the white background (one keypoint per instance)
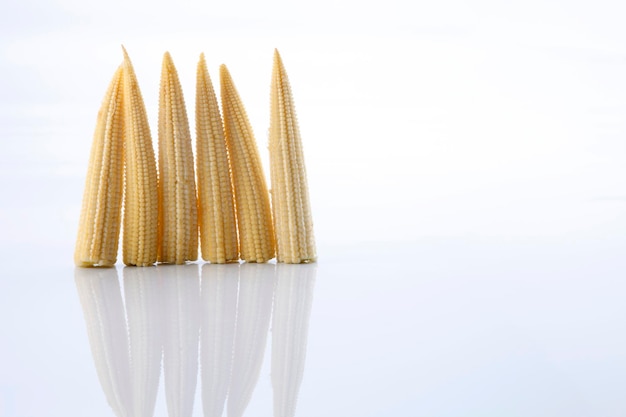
(480, 141)
(426, 120)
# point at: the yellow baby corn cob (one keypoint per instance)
(295, 241)
(254, 218)
(216, 209)
(99, 227)
(178, 215)
(141, 197)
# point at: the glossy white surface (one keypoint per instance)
(440, 327)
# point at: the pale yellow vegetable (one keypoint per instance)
(178, 215)
(99, 227)
(141, 197)
(254, 218)
(216, 208)
(295, 242)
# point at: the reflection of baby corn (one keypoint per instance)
(293, 298)
(180, 344)
(143, 294)
(166, 315)
(256, 286)
(219, 310)
(101, 299)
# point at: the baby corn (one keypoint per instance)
(141, 199)
(254, 219)
(216, 209)
(165, 213)
(290, 197)
(99, 227)
(178, 216)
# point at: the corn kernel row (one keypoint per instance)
(229, 204)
